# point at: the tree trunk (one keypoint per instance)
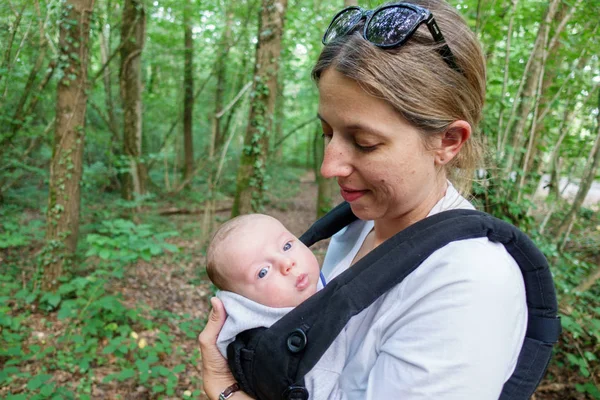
(563, 15)
(500, 140)
(105, 34)
(279, 117)
(188, 94)
(531, 82)
(585, 183)
(134, 16)
(62, 220)
(221, 69)
(251, 176)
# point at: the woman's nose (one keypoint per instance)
(336, 161)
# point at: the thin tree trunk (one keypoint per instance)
(221, 68)
(585, 183)
(534, 161)
(5, 66)
(277, 152)
(511, 21)
(62, 224)
(530, 79)
(532, 139)
(188, 94)
(564, 14)
(251, 176)
(105, 34)
(588, 282)
(134, 181)
(19, 119)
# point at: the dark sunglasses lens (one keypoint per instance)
(342, 24)
(392, 25)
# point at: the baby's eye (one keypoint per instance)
(287, 246)
(263, 272)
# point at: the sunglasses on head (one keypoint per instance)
(389, 26)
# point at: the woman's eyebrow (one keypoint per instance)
(356, 126)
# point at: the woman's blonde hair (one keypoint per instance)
(417, 82)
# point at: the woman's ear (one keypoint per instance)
(452, 140)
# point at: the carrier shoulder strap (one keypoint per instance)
(270, 364)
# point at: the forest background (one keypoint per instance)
(130, 128)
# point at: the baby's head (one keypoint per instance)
(256, 257)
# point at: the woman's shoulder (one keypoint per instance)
(478, 266)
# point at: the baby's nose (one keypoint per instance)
(287, 264)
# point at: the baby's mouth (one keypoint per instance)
(302, 281)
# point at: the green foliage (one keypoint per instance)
(100, 328)
(125, 242)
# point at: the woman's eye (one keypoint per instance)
(263, 272)
(364, 148)
(287, 246)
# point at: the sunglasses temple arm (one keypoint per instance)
(444, 50)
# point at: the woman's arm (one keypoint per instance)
(216, 375)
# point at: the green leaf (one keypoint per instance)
(158, 389)
(125, 374)
(48, 389)
(178, 368)
(37, 381)
(52, 298)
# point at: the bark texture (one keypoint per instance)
(252, 171)
(188, 95)
(66, 166)
(134, 17)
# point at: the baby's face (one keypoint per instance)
(264, 262)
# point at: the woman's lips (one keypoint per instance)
(351, 195)
(302, 281)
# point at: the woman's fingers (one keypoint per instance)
(215, 322)
(215, 371)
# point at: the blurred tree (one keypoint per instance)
(188, 92)
(62, 220)
(132, 45)
(251, 176)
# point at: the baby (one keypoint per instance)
(263, 271)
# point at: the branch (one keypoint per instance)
(114, 53)
(294, 130)
(6, 59)
(178, 119)
(235, 99)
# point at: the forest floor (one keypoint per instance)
(175, 285)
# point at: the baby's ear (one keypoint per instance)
(452, 141)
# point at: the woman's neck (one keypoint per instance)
(385, 228)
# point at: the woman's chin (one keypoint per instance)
(363, 211)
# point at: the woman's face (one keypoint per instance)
(379, 160)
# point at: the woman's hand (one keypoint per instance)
(215, 371)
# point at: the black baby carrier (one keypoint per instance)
(270, 364)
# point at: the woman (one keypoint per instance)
(399, 106)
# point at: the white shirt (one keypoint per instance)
(452, 330)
